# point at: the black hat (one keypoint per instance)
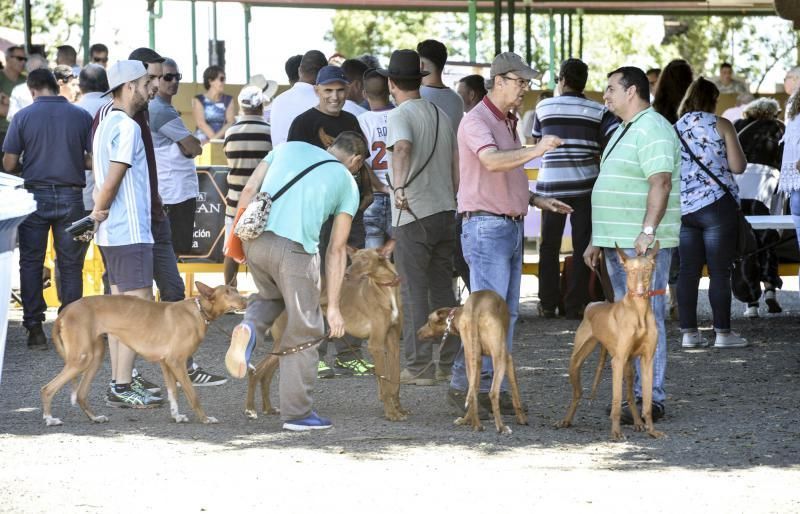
(404, 64)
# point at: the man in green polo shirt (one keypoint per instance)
(635, 201)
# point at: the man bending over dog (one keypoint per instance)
(284, 261)
(636, 196)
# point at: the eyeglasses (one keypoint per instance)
(169, 77)
(99, 59)
(522, 83)
(20, 58)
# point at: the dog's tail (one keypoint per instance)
(601, 363)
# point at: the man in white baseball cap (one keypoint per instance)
(122, 201)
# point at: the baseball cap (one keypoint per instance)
(328, 74)
(124, 71)
(509, 62)
(146, 55)
(251, 96)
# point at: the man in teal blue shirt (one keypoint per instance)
(284, 261)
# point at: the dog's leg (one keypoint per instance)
(601, 363)
(260, 377)
(499, 364)
(522, 419)
(472, 362)
(178, 369)
(82, 392)
(638, 425)
(647, 394)
(69, 372)
(585, 342)
(617, 369)
(392, 353)
(172, 394)
(385, 369)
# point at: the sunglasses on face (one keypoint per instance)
(169, 77)
(99, 59)
(20, 58)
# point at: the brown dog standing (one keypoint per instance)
(371, 308)
(483, 325)
(625, 329)
(158, 331)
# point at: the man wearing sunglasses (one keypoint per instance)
(98, 54)
(10, 77)
(176, 149)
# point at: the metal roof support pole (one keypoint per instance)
(580, 33)
(247, 40)
(473, 30)
(528, 52)
(510, 15)
(569, 39)
(561, 35)
(28, 27)
(151, 22)
(552, 51)
(87, 27)
(498, 28)
(194, 44)
(214, 56)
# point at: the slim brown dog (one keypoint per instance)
(158, 331)
(625, 329)
(483, 325)
(371, 308)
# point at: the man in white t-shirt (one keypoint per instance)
(297, 100)
(175, 149)
(122, 213)
(374, 125)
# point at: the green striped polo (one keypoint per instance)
(619, 197)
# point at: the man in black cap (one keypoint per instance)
(424, 176)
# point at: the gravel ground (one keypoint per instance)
(732, 446)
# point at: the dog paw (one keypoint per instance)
(210, 420)
(522, 420)
(272, 411)
(100, 419)
(50, 421)
(563, 424)
(655, 434)
(504, 430)
(477, 428)
(181, 418)
(396, 416)
(460, 421)
(251, 414)
(617, 435)
(638, 427)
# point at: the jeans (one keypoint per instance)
(493, 250)
(378, 221)
(708, 236)
(56, 208)
(794, 208)
(577, 294)
(424, 258)
(165, 265)
(616, 273)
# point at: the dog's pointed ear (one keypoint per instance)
(204, 290)
(351, 251)
(385, 251)
(652, 252)
(623, 257)
(441, 314)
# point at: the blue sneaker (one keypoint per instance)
(243, 341)
(311, 422)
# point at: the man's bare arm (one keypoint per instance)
(10, 162)
(335, 263)
(190, 146)
(507, 160)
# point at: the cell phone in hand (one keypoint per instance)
(81, 227)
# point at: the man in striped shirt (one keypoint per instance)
(247, 142)
(568, 173)
(637, 198)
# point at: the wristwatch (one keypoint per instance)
(649, 230)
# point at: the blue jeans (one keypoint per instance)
(794, 208)
(708, 236)
(378, 221)
(618, 278)
(56, 208)
(165, 265)
(493, 250)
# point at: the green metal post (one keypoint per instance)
(87, 26)
(473, 29)
(498, 27)
(528, 49)
(511, 14)
(194, 44)
(151, 21)
(247, 40)
(580, 33)
(552, 84)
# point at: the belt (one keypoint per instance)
(379, 193)
(471, 214)
(50, 187)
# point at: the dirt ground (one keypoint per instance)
(732, 415)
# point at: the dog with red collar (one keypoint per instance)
(625, 329)
(482, 324)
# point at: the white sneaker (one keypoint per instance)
(729, 340)
(693, 340)
(751, 311)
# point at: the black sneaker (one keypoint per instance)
(130, 399)
(353, 367)
(140, 388)
(202, 378)
(324, 371)
(546, 313)
(37, 340)
(626, 418)
(142, 382)
(457, 399)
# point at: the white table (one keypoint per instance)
(775, 222)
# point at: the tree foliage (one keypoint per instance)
(379, 32)
(48, 17)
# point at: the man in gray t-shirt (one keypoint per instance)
(424, 176)
(433, 56)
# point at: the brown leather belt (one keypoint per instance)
(470, 214)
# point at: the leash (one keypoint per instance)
(300, 347)
(449, 324)
(203, 314)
